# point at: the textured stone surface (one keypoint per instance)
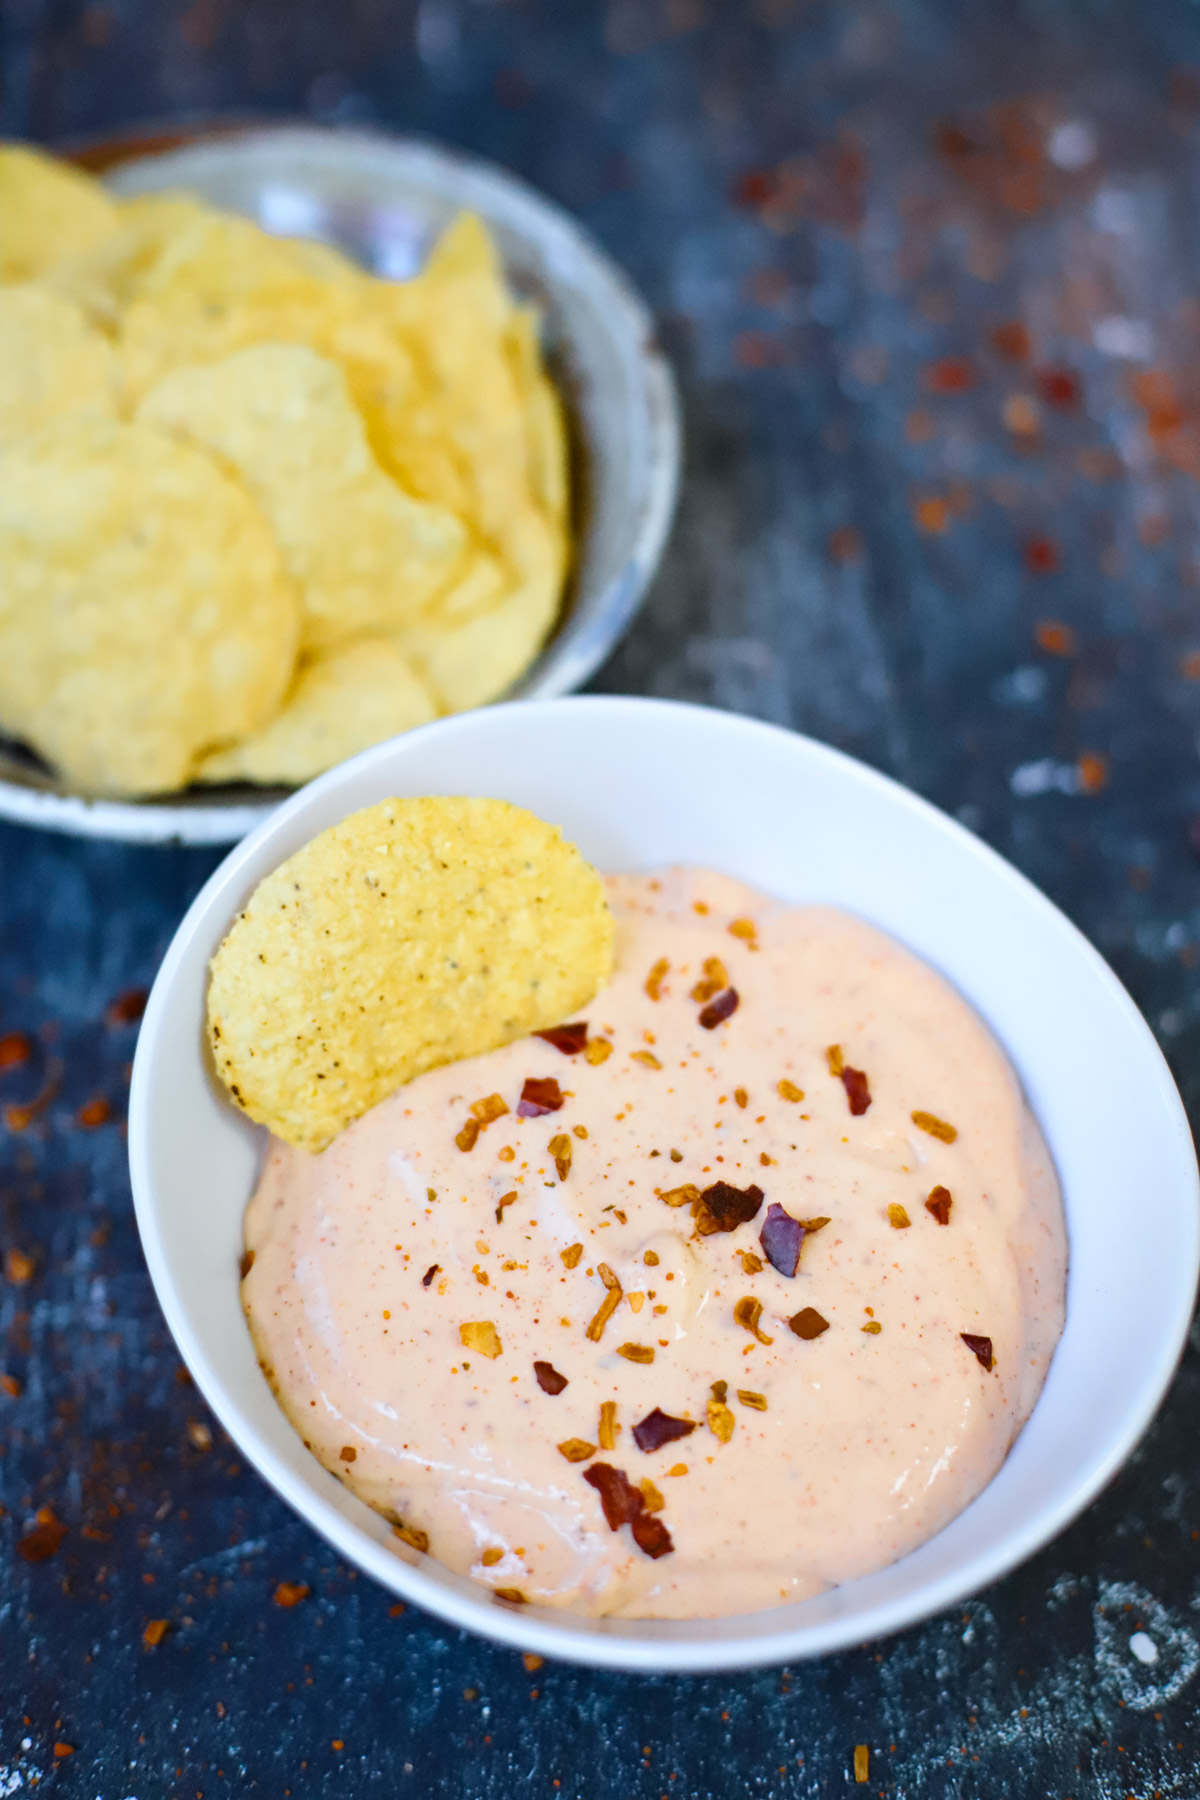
(980, 572)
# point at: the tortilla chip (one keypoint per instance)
(415, 933)
(340, 704)
(366, 558)
(48, 210)
(144, 614)
(53, 364)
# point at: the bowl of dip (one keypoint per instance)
(645, 786)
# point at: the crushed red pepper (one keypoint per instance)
(714, 979)
(723, 1207)
(291, 1593)
(656, 977)
(980, 1347)
(748, 1312)
(549, 1379)
(539, 1095)
(431, 1271)
(782, 1238)
(128, 1007)
(16, 1047)
(935, 1127)
(570, 1039)
(720, 1009)
(41, 1542)
(858, 1092)
(560, 1150)
(623, 1504)
(659, 1428)
(808, 1323)
(939, 1203)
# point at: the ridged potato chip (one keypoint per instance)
(48, 210)
(53, 364)
(104, 279)
(144, 614)
(340, 704)
(415, 933)
(364, 555)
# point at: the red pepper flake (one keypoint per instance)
(62, 1750)
(291, 1593)
(745, 929)
(782, 1238)
(656, 977)
(938, 1128)
(939, 1203)
(18, 1267)
(898, 1217)
(560, 1150)
(1055, 638)
(431, 1271)
(623, 1504)
(1011, 339)
(949, 375)
(932, 515)
(980, 1347)
(720, 1009)
(532, 1661)
(11, 1386)
(16, 1047)
(1093, 773)
(539, 1095)
(348, 1453)
(549, 1379)
(412, 1535)
(723, 1207)
(748, 1312)
(570, 1039)
(659, 1428)
(42, 1542)
(754, 188)
(808, 1323)
(128, 1007)
(636, 1353)
(715, 977)
(1041, 556)
(1058, 387)
(491, 1107)
(95, 1112)
(857, 1091)
(845, 544)
(468, 1137)
(504, 1200)
(156, 1630)
(608, 1305)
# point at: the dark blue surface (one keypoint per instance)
(875, 545)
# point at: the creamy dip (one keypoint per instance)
(418, 1290)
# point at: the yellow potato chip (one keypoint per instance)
(53, 364)
(48, 210)
(144, 614)
(365, 557)
(339, 704)
(415, 933)
(545, 425)
(469, 661)
(223, 285)
(106, 278)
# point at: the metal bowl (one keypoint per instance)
(384, 200)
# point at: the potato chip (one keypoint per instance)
(48, 210)
(106, 278)
(339, 704)
(415, 933)
(471, 660)
(545, 426)
(365, 557)
(144, 614)
(53, 364)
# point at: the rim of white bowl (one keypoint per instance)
(603, 1643)
(579, 644)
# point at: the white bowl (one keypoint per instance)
(638, 784)
(384, 200)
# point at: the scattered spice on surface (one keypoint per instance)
(862, 1763)
(16, 1047)
(11, 1386)
(812, 1226)
(808, 1323)
(939, 1203)
(597, 1050)
(549, 1379)
(570, 1039)
(659, 1428)
(858, 1092)
(787, 1090)
(747, 1312)
(687, 1195)
(94, 1112)
(723, 1207)
(431, 1271)
(651, 1495)
(623, 1504)
(514, 1596)
(571, 1255)
(872, 1328)
(41, 1542)
(898, 1218)
(532, 1661)
(128, 1007)
(757, 1402)
(712, 981)
(938, 1128)
(468, 1137)
(636, 1353)
(751, 1264)
(745, 929)
(348, 1453)
(781, 1238)
(560, 1149)
(156, 1630)
(720, 1418)
(492, 1106)
(491, 1557)
(506, 1200)
(741, 1097)
(608, 1425)
(835, 1059)
(540, 1094)
(576, 1449)
(481, 1335)
(656, 977)
(647, 1059)
(19, 1268)
(62, 1750)
(608, 1305)
(720, 1009)
(980, 1347)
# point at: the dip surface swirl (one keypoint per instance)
(839, 1441)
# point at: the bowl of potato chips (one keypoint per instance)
(307, 438)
